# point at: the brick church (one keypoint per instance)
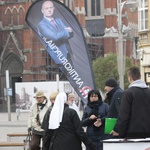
(22, 54)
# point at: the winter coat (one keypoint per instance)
(32, 119)
(114, 101)
(95, 133)
(45, 122)
(70, 133)
(134, 115)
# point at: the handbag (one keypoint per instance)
(27, 142)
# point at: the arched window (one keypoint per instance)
(8, 15)
(15, 16)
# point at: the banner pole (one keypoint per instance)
(57, 79)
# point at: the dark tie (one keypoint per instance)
(54, 23)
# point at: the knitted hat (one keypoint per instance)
(111, 82)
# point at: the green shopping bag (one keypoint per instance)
(109, 124)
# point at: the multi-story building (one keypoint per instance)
(23, 55)
(144, 39)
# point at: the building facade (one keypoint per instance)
(23, 55)
(144, 39)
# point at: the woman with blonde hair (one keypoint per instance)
(46, 117)
(45, 123)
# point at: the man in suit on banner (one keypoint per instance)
(55, 33)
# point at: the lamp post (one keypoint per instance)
(121, 62)
(120, 46)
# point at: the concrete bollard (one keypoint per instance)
(18, 113)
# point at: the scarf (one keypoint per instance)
(40, 106)
(94, 106)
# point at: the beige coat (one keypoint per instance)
(32, 123)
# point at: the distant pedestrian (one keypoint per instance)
(134, 114)
(94, 118)
(35, 119)
(113, 98)
(72, 104)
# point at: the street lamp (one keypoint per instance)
(121, 62)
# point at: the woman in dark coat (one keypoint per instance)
(94, 118)
(65, 125)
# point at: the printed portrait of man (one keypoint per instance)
(55, 33)
(62, 36)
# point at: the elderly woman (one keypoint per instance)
(72, 104)
(65, 127)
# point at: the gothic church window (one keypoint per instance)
(8, 15)
(15, 15)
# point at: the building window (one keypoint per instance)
(143, 15)
(86, 8)
(68, 3)
(94, 8)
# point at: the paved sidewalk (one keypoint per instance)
(14, 126)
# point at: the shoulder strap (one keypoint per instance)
(29, 136)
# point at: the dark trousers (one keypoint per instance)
(35, 143)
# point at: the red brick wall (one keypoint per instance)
(109, 43)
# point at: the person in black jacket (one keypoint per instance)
(46, 117)
(113, 98)
(94, 117)
(64, 129)
(46, 139)
(134, 114)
